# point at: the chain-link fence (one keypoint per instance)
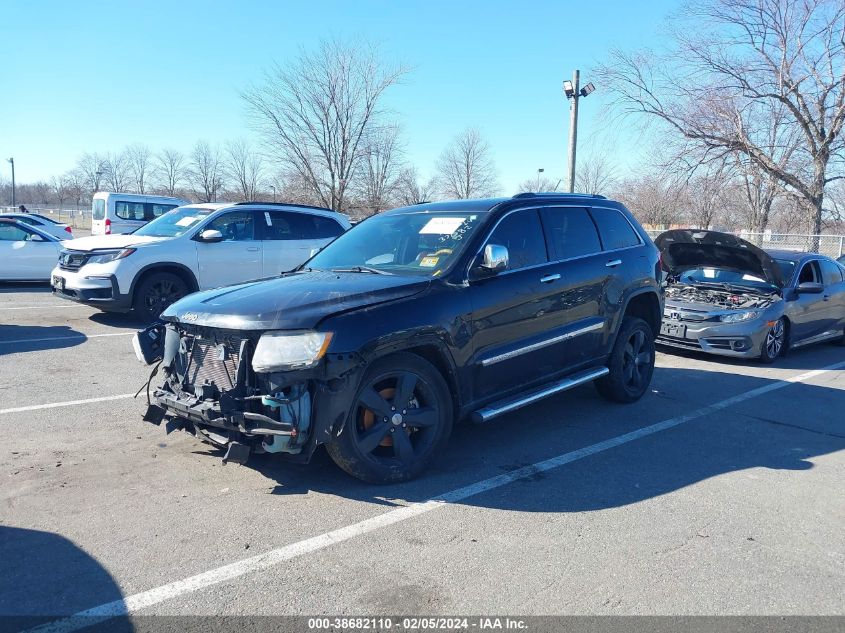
(830, 245)
(77, 219)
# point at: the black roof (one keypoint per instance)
(284, 204)
(483, 205)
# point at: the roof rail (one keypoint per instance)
(531, 194)
(286, 204)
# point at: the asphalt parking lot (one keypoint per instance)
(720, 492)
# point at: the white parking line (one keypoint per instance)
(71, 337)
(69, 403)
(47, 307)
(138, 601)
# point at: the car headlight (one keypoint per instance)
(736, 317)
(282, 351)
(104, 257)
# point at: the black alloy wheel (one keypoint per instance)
(156, 293)
(401, 415)
(631, 363)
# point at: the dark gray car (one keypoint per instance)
(726, 296)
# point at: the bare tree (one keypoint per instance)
(91, 168)
(465, 169)
(744, 61)
(245, 169)
(116, 172)
(543, 184)
(76, 187)
(206, 171)
(315, 114)
(171, 170)
(654, 199)
(378, 176)
(409, 189)
(138, 161)
(60, 187)
(595, 175)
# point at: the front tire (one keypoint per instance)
(631, 363)
(774, 344)
(155, 293)
(400, 419)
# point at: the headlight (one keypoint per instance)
(736, 317)
(281, 351)
(104, 257)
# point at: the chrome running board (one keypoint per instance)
(500, 407)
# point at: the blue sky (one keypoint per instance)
(97, 76)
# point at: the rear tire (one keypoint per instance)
(631, 363)
(400, 419)
(155, 293)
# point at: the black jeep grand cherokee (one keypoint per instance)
(413, 319)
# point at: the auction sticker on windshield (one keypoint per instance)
(441, 226)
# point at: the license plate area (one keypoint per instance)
(675, 330)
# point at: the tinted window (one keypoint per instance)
(235, 227)
(31, 221)
(98, 209)
(522, 234)
(615, 230)
(810, 273)
(570, 232)
(285, 225)
(11, 233)
(129, 210)
(831, 272)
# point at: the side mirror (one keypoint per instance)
(495, 258)
(810, 288)
(210, 235)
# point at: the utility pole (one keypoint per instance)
(12, 161)
(572, 90)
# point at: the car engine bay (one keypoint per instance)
(723, 299)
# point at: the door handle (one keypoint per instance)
(613, 263)
(252, 249)
(549, 278)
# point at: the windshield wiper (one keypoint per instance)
(361, 269)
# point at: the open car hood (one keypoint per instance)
(687, 249)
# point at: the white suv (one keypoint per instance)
(191, 248)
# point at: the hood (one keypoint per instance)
(98, 242)
(687, 249)
(294, 301)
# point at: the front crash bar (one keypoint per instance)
(209, 414)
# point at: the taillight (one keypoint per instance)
(69, 230)
(108, 226)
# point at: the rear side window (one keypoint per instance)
(285, 225)
(569, 232)
(31, 221)
(522, 234)
(98, 209)
(615, 230)
(157, 210)
(831, 272)
(129, 210)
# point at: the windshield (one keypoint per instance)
(718, 276)
(174, 223)
(424, 244)
(786, 269)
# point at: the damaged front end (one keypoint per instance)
(224, 387)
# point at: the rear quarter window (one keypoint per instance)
(98, 209)
(614, 229)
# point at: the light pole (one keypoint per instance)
(539, 171)
(12, 162)
(273, 187)
(573, 91)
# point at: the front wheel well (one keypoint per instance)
(645, 306)
(183, 273)
(435, 355)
